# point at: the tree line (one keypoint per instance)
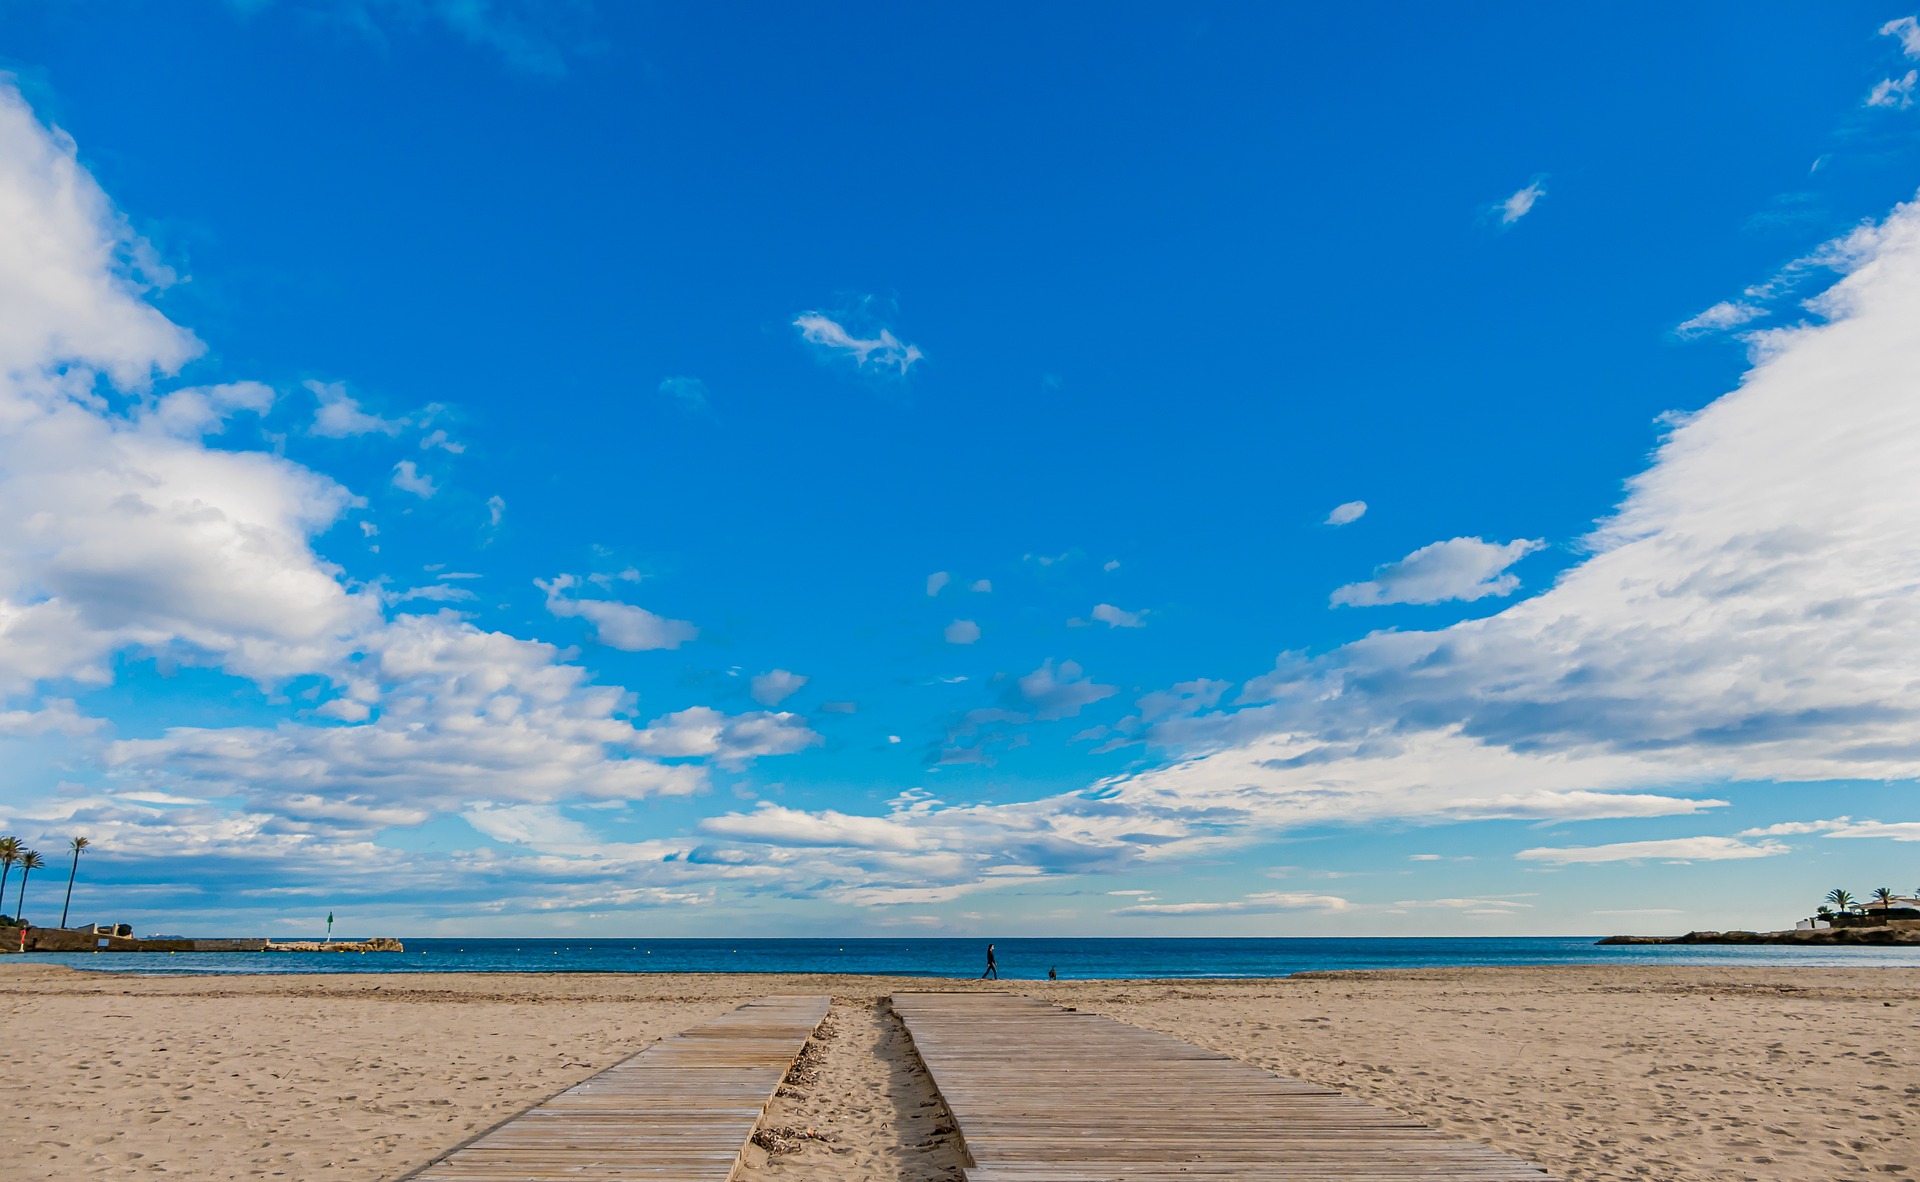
(1840, 901)
(14, 853)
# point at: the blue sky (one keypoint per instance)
(521, 468)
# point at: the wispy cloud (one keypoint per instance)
(339, 415)
(618, 625)
(1062, 691)
(1722, 316)
(883, 351)
(1907, 31)
(776, 686)
(530, 37)
(1520, 204)
(1673, 849)
(1842, 827)
(689, 394)
(1263, 903)
(1459, 568)
(1894, 92)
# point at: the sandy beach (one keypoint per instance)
(1797, 1075)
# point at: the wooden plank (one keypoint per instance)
(1044, 1094)
(679, 1111)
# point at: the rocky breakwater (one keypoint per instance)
(1851, 935)
(377, 944)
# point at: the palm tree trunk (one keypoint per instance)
(75, 869)
(20, 900)
(5, 873)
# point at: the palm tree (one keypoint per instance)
(76, 845)
(1841, 898)
(1884, 896)
(30, 861)
(9, 854)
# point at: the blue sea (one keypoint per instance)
(1019, 959)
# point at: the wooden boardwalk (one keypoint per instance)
(682, 1109)
(1044, 1094)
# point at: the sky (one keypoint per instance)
(568, 468)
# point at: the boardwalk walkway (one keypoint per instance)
(1044, 1094)
(681, 1109)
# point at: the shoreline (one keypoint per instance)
(1120, 959)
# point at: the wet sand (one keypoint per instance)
(1795, 1075)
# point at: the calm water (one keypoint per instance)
(1019, 958)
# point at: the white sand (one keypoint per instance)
(1795, 1075)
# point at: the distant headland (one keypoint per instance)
(1885, 918)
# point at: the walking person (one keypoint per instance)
(992, 970)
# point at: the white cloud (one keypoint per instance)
(440, 439)
(616, 624)
(1907, 30)
(56, 716)
(459, 715)
(496, 509)
(1113, 617)
(123, 533)
(1521, 203)
(1722, 316)
(125, 536)
(1459, 568)
(1347, 513)
(1485, 905)
(1673, 849)
(1842, 827)
(1062, 692)
(776, 825)
(339, 415)
(1894, 92)
(204, 410)
(436, 592)
(937, 580)
(542, 825)
(408, 478)
(776, 686)
(884, 351)
(983, 586)
(74, 272)
(1182, 698)
(962, 632)
(728, 738)
(1264, 903)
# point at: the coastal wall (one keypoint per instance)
(89, 940)
(84, 940)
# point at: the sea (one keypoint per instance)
(1018, 958)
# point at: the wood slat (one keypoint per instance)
(1044, 1094)
(679, 1111)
